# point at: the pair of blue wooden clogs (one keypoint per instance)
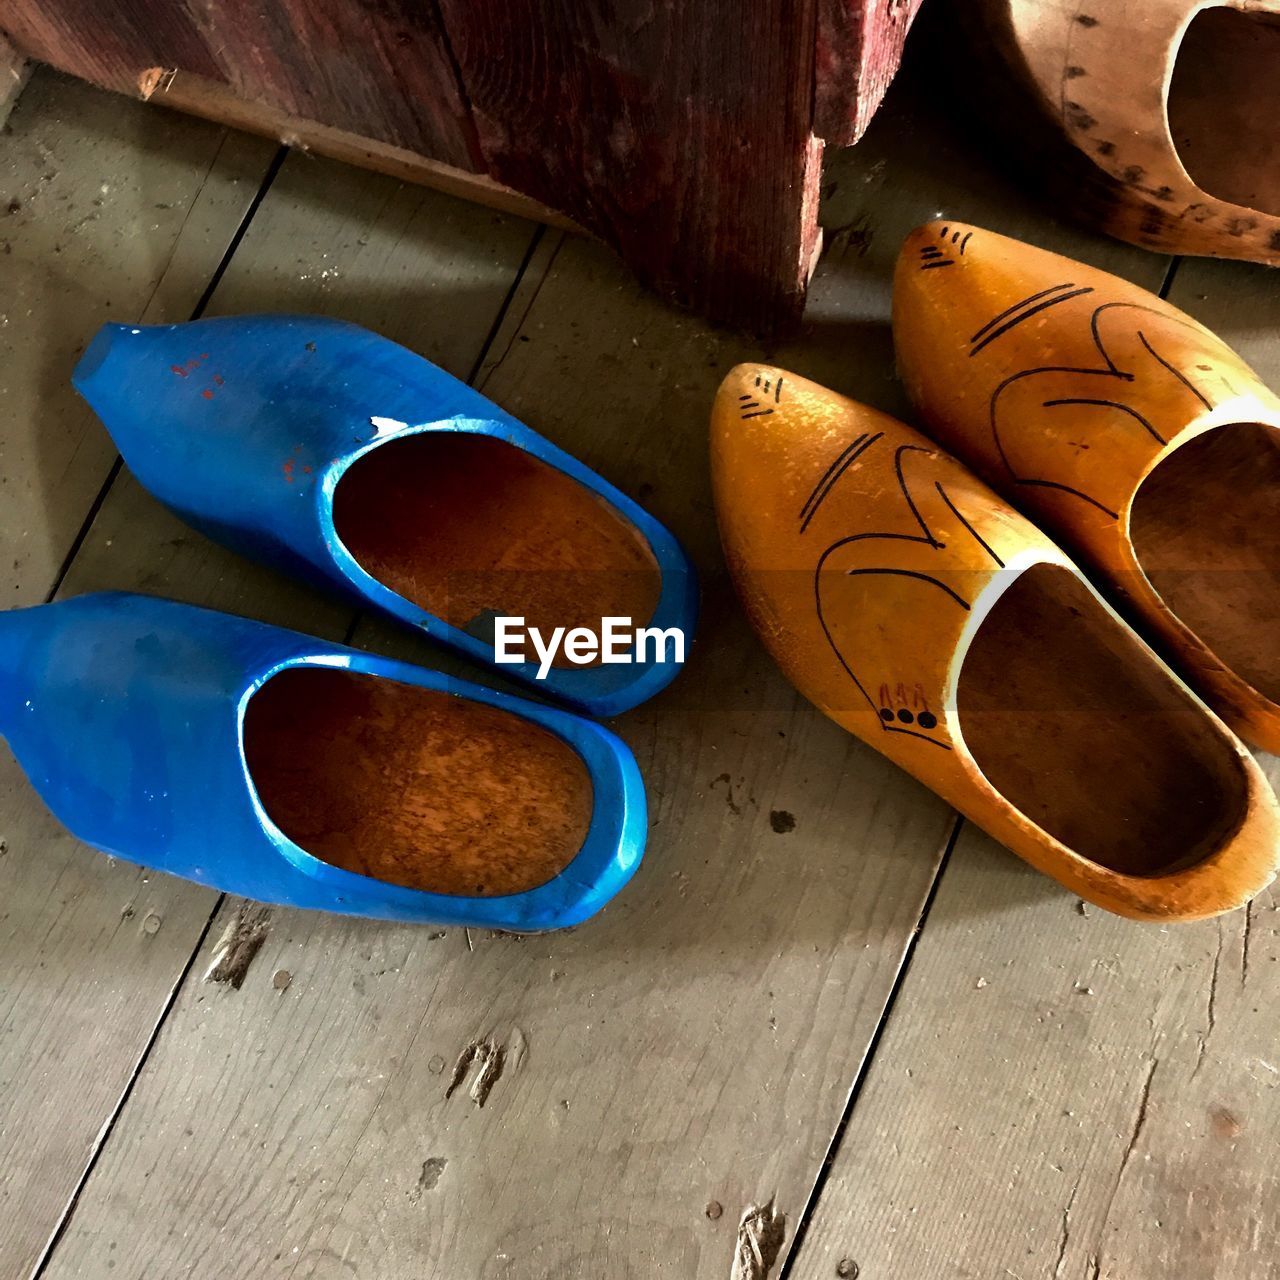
(292, 770)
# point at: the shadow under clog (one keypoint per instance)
(335, 454)
(274, 765)
(918, 610)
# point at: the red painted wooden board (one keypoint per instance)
(687, 135)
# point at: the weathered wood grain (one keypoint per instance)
(686, 135)
(1060, 1094)
(1067, 1094)
(91, 949)
(859, 44)
(105, 214)
(380, 68)
(185, 91)
(680, 134)
(613, 1100)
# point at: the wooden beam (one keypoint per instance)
(381, 70)
(680, 134)
(213, 100)
(859, 48)
(687, 136)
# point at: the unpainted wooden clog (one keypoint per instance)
(288, 769)
(1154, 120)
(917, 609)
(1131, 433)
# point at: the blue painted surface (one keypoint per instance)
(245, 425)
(127, 714)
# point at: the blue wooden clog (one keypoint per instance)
(271, 764)
(339, 455)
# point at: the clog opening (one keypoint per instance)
(1205, 526)
(412, 786)
(1072, 722)
(470, 528)
(1224, 98)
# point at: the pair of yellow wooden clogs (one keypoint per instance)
(923, 611)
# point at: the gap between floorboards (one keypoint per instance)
(864, 1068)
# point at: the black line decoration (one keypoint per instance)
(982, 542)
(1177, 373)
(763, 382)
(914, 573)
(1014, 321)
(1110, 404)
(918, 718)
(1109, 370)
(826, 475)
(833, 473)
(1017, 306)
(750, 407)
(931, 256)
(1075, 493)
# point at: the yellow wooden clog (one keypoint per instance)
(922, 613)
(1125, 429)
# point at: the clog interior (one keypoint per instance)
(469, 527)
(1205, 526)
(412, 786)
(1224, 98)
(1070, 720)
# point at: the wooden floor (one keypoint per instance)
(829, 1030)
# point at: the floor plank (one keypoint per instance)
(108, 211)
(692, 1050)
(92, 949)
(1061, 1093)
(82, 175)
(681, 1060)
